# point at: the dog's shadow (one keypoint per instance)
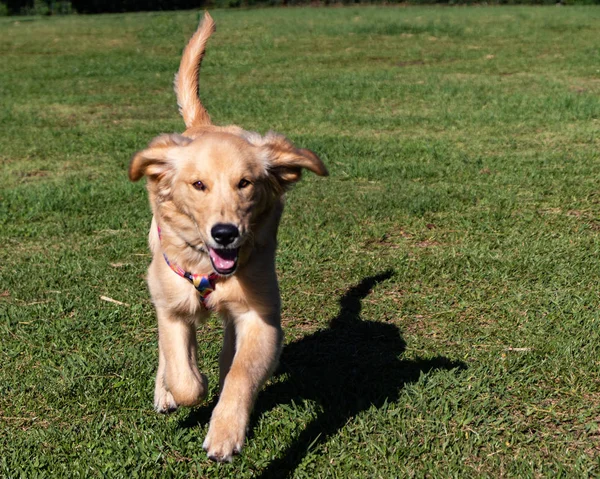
(349, 367)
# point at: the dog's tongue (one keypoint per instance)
(223, 259)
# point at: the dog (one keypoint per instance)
(216, 194)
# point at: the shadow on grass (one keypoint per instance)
(346, 369)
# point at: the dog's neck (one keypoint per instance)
(204, 283)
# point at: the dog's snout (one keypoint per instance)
(224, 233)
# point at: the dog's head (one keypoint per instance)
(216, 189)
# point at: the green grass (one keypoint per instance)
(440, 288)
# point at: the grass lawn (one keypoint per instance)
(440, 288)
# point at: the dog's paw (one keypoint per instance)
(225, 438)
(163, 401)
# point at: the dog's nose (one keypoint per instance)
(224, 233)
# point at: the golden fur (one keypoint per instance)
(209, 176)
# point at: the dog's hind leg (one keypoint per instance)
(228, 351)
(178, 380)
(163, 399)
(258, 343)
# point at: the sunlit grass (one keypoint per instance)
(440, 288)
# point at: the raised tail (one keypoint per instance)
(186, 79)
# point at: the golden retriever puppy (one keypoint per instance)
(217, 196)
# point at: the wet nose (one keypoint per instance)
(224, 233)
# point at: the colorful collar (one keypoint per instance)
(204, 283)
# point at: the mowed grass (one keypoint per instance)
(440, 288)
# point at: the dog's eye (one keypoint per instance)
(243, 183)
(199, 186)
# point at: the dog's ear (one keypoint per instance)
(285, 162)
(154, 161)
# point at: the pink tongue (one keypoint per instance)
(223, 259)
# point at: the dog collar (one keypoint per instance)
(204, 283)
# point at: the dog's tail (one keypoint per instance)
(186, 79)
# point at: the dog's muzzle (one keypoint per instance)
(224, 260)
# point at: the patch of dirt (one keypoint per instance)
(384, 241)
(27, 175)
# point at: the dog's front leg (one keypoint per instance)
(178, 380)
(258, 342)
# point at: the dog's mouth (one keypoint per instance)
(224, 261)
